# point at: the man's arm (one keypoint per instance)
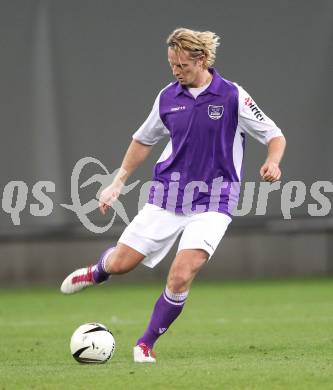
(252, 120)
(270, 170)
(149, 133)
(135, 155)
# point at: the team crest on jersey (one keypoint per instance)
(215, 112)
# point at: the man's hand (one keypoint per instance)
(135, 155)
(270, 171)
(109, 195)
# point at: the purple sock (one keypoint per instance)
(99, 273)
(167, 308)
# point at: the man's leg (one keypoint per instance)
(151, 232)
(118, 260)
(169, 305)
(122, 259)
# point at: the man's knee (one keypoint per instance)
(185, 267)
(178, 282)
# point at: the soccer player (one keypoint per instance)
(196, 179)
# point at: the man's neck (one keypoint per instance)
(204, 78)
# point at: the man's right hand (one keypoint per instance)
(109, 195)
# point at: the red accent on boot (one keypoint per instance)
(146, 350)
(87, 277)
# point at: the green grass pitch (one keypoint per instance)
(235, 335)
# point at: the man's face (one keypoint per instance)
(184, 69)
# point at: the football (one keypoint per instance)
(92, 343)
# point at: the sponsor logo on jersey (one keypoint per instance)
(179, 108)
(215, 112)
(254, 108)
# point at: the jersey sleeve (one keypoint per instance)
(252, 120)
(153, 129)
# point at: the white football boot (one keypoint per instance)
(143, 354)
(78, 280)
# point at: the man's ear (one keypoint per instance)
(202, 62)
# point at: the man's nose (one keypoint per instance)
(175, 71)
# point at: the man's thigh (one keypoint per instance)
(204, 231)
(153, 232)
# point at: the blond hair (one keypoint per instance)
(200, 44)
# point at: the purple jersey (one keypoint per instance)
(201, 167)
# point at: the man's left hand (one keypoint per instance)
(270, 171)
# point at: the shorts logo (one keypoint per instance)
(210, 245)
(215, 112)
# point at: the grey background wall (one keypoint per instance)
(78, 77)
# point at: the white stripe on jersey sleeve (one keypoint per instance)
(253, 121)
(238, 151)
(153, 129)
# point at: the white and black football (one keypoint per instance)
(92, 343)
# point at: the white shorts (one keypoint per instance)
(154, 230)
